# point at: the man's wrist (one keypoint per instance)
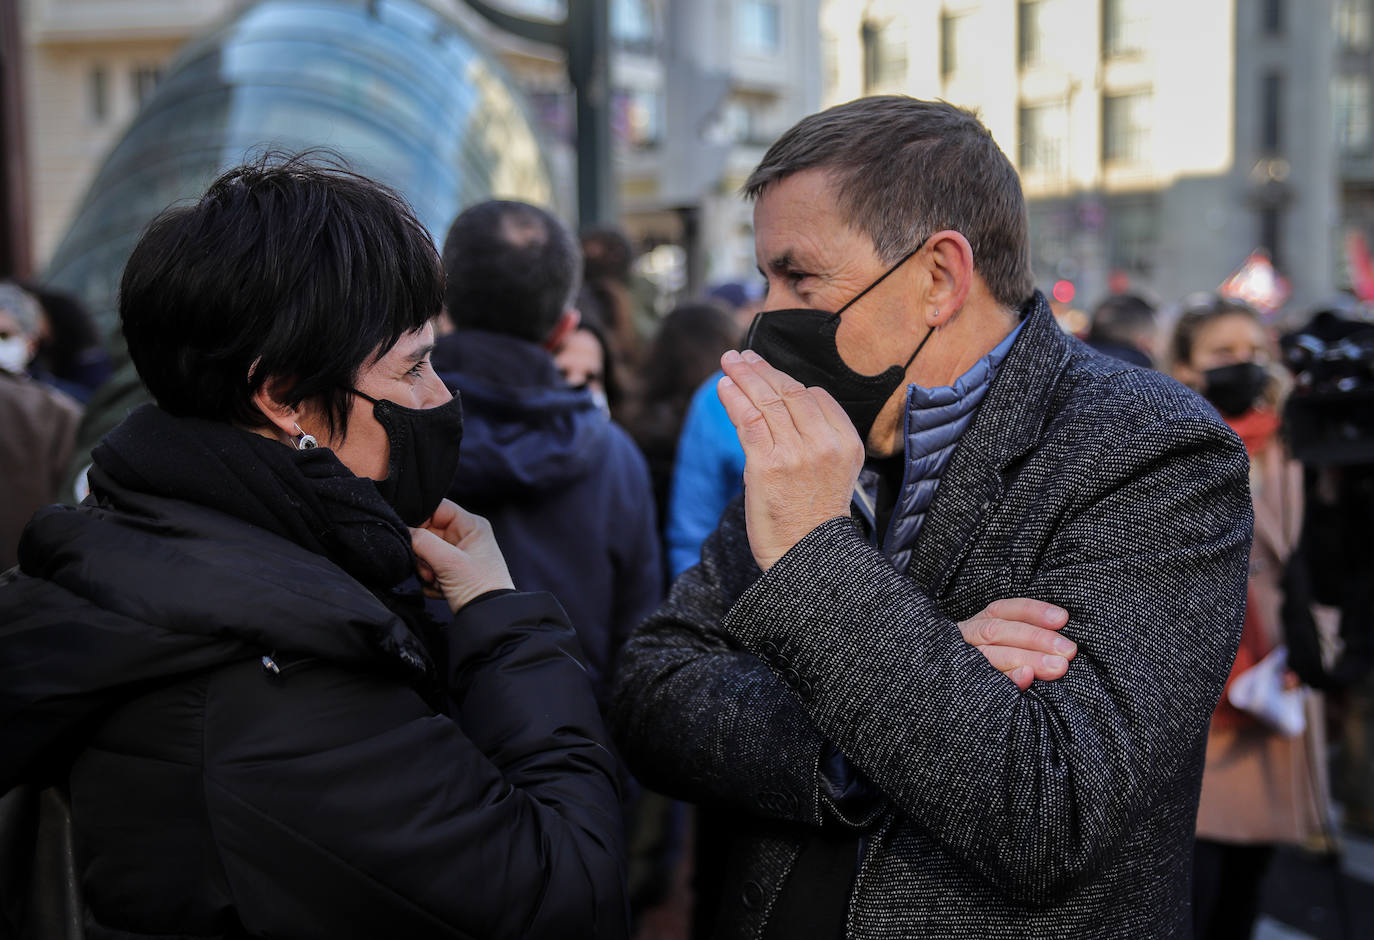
(771, 558)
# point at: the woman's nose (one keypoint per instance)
(436, 392)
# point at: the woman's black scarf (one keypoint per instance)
(307, 496)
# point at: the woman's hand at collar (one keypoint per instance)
(456, 556)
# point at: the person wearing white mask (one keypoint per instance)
(37, 424)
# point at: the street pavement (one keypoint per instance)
(1304, 899)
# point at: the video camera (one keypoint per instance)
(1328, 422)
(1329, 417)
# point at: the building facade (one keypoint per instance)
(401, 92)
(87, 67)
(1159, 141)
(699, 88)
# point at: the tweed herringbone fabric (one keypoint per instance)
(1064, 811)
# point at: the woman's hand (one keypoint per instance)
(457, 557)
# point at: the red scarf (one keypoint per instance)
(1249, 654)
(1256, 428)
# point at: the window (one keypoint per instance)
(1350, 112)
(750, 119)
(1044, 132)
(637, 118)
(952, 29)
(1125, 24)
(144, 79)
(1051, 235)
(1271, 113)
(1352, 24)
(885, 60)
(632, 24)
(98, 94)
(544, 9)
(1271, 19)
(1030, 32)
(756, 24)
(1132, 234)
(1126, 128)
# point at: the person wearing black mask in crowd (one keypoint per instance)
(1265, 781)
(261, 731)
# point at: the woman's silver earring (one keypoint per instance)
(305, 441)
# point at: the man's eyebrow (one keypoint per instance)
(782, 263)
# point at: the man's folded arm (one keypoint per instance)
(702, 719)
(1034, 789)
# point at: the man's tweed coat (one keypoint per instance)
(1064, 811)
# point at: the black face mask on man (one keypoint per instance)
(801, 342)
(424, 454)
(1235, 389)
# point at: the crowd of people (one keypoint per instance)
(462, 593)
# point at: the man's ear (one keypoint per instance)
(951, 274)
(567, 322)
(282, 416)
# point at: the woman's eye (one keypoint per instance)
(418, 369)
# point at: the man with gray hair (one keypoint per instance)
(949, 660)
(37, 423)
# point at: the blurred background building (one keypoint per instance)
(126, 113)
(88, 67)
(1159, 141)
(698, 90)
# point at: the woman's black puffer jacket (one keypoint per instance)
(256, 745)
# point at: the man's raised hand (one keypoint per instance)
(802, 454)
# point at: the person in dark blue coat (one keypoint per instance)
(567, 492)
(261, 730)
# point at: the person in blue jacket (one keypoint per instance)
(707, 473)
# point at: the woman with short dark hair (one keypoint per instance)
(262, 731)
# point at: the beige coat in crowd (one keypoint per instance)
(1260, 787)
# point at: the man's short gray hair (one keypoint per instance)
(20, 304)
(908, 168)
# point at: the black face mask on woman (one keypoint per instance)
(1235, 389)
(424, 454)
(801, 342)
